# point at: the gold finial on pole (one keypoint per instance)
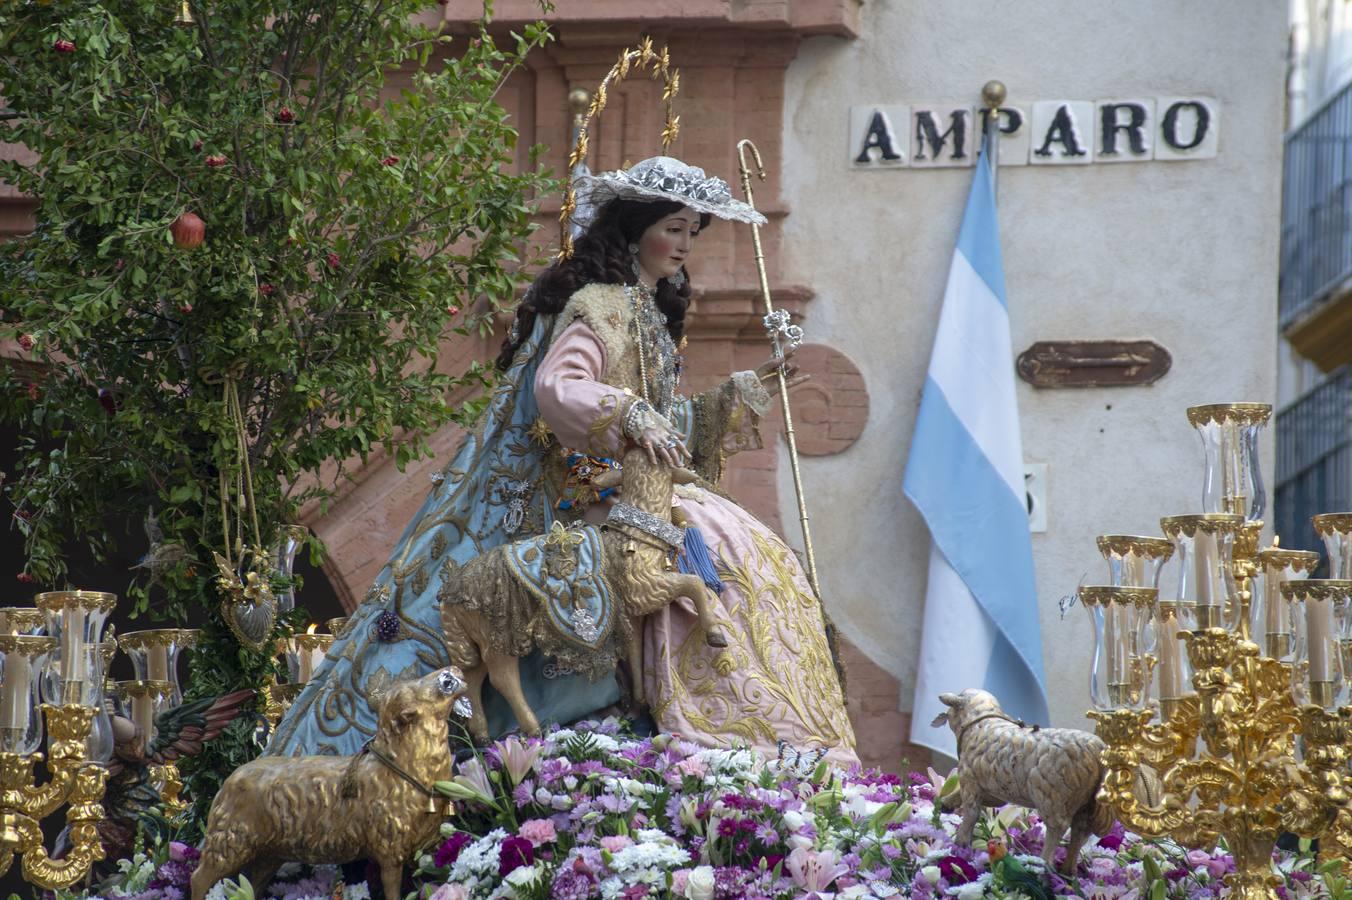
(643, 56)
(775, 331)
(578, 101)
(993, 94)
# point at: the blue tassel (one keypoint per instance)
(695, 560)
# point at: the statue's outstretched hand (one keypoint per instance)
(767, 370)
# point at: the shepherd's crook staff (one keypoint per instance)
(779, 329)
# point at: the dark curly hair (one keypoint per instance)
(601, 256)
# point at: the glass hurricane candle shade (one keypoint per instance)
(304, 654)
(284, 560)
(74, 668)
(142, 701)
(1203, 546)
(1171, 619)
(22, 620)
(1318, 675)
(1335, 529)
(20, 666)
(154, 655)
(1233, 482)
(1274, 621)
(1120, 676)
(1134, 561)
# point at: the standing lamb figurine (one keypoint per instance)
(1055, 771)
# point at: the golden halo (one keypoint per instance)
(641, 57)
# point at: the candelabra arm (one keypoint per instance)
(19, 794)
(85, 847)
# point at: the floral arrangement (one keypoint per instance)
(590, 812)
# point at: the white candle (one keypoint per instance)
(143, 712)
(1112, 640)
(1171, 668)
(306, 661)
(157, 662)
(1205, 557)
(14, 696)
(1133, 570)
(1319, 630)
(72, 654)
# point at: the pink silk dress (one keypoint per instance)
(775, 681)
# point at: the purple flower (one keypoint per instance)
(449, 851)
(515, 853)
(572, 884)
(181, 852)
(956, 871)
(1112, 841)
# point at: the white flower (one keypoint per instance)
(217, 891)
(653, 836)
(795, 841)
(700, 884)
(794, 820)
(358, 891)
(932, 874)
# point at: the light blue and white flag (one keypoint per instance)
(965, 475)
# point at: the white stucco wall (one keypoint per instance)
(1183, 253)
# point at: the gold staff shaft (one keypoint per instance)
(742, 147)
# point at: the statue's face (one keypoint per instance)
(667, 243)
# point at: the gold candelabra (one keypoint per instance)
(65, 668)
(1246, 739)
(154, 657)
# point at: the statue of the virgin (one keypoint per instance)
(591, 369)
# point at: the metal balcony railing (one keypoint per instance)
(1317, 208)
(1314, 460)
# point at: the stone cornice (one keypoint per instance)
(802, 17)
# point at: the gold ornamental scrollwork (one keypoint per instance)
(1137, 545)
(1207, 523)
(75, 781)
(1326, 524)
(1103, 594)
(1282, 558)
(1230, 414)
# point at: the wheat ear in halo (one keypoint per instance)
(641, 57)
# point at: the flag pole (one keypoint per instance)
(777, 324)
(993, 94)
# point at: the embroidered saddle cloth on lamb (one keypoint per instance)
(564, 570)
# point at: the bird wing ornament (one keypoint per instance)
(183, 730)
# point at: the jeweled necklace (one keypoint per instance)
(639, 293)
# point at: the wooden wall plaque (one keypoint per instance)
(1078, 364)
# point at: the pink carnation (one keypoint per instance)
(538, 831)
(450, 892)
(615, 842)
(692, 765)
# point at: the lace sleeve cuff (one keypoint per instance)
(726, 420)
